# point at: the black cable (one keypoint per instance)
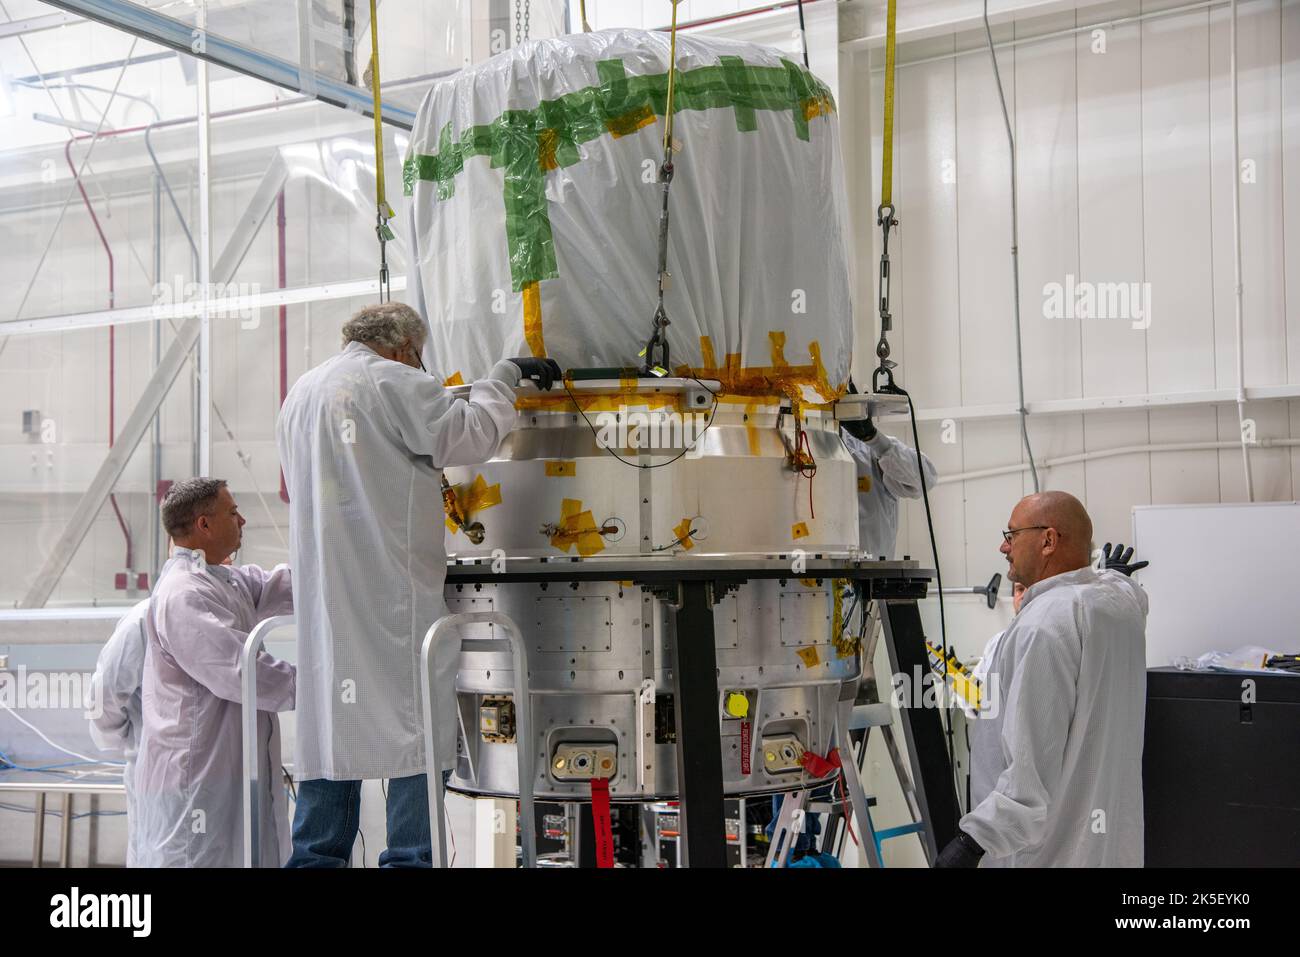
(362, 834)
(293, 791)
(674, 543)
(713, 414)
(934, 547)
(803, 33)
(966, 726)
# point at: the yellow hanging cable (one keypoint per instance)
(887, 153)
(883, 377)
(383, 212)
(582, 5)
(672, 76)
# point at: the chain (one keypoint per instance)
(884, 376)
(656, 349)
(523, 13)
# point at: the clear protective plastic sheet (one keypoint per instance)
(535, 202)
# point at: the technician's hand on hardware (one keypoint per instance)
(1120, 560)
(541, 371)
(962, 851)
(863, 429)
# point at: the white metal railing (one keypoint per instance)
(450, 625)
(254, 792)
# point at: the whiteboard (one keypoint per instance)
(1221, 576)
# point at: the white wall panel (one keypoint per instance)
(1111, 216)
(946, 502)
(926, 184)
(1261, 200)
(1047, 160)
(1057, 437)
(984, 232)
(1176, 187)
(1116, 484)
(1293, 418)
(1184, 476)
(1289, 121)
(989, 501)
(1271, 468)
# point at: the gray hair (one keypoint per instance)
(388, 324)
(186, 501)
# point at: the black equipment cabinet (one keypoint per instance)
(1221, 769)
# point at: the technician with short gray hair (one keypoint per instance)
(363, 439)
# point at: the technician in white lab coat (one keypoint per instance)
(363, 439)
(1116, 559)
(188, 775)
(1056, 762)
(886, 471)
(116, 705)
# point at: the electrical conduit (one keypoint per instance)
(112, 345)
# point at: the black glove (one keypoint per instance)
(541, 371)
(863, 429)
(962, 851)
(1120, 560)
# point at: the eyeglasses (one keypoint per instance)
(415, 352)
(1010, 533)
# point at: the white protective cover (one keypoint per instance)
(540, 166)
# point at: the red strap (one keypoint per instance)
(746, 745)
(818, 766)
(601, 820)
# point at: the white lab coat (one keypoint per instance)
(981, 668)
(1056, 767)
(886, 471)
(190, 766)
(362, 441)
(116, 703)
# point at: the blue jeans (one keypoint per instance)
(328, 815)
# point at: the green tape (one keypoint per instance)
(735, 75)
(528, 143)
(610, 72)
(803, 92)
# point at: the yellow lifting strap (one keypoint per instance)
(887, 151)
(672, 75)
(883, 378)
(383, 212)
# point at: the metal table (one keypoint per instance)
(42, 784)
(692, 585)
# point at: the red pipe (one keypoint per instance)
(739, 15)
(284, 322)
(112, 339)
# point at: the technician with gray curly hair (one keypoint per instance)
(363, 439)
